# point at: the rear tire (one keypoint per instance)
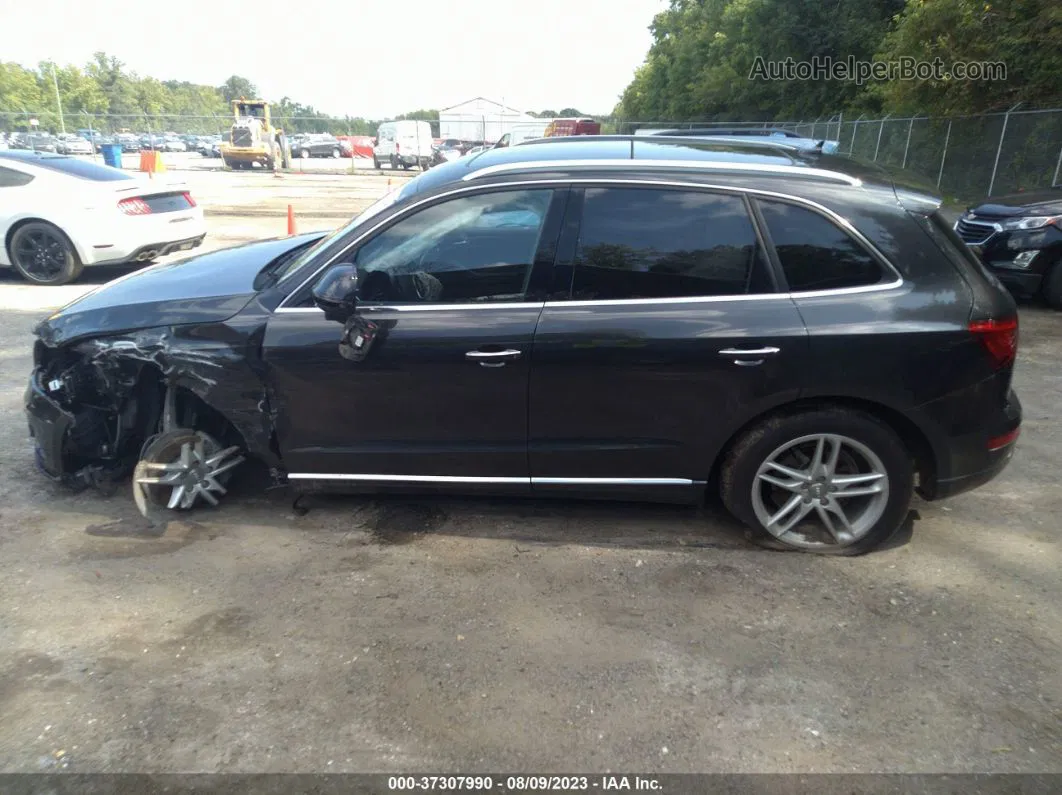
(305, 154)
(336, 153)
(833, 523)
(1052, 286)
(43, 254)
(375, 162)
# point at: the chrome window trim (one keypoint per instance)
(370, 308)
(649, 164)
(837, 219)
(372, 478)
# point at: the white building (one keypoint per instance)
(482, 119)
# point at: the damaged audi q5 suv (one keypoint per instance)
(599, 317)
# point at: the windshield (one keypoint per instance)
(371, 211)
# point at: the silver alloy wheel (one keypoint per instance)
(193, 471)
(837, 483)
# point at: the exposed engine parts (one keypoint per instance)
(148, 403)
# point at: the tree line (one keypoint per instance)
(107, 96)
(704, 53)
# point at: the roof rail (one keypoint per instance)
(722, 141)
(765, 169)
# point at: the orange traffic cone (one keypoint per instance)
(291, 221)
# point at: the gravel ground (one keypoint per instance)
(405, 634)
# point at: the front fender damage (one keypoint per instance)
(94, 405)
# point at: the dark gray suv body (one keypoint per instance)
(597, 317)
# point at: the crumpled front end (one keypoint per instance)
(87, 412)
(94, 406)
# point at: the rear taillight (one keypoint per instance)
(188, 198)
(1000, 338)
(1004, 440)
(136, 206)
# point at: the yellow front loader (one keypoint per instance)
(254, 139)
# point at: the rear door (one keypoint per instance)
(668, 335)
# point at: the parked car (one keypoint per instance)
(1019, 237)
(100, 141)
(59, 214)
(73, 145)
(315, 145)
(445, 153)
(742, 133)
(582, 126)
(210, 146)
(403, 144)
(128, 141)
(356, 145)
(38, 142)
(521, 133)
(173, 144)
(596, 317)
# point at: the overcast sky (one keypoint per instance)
(370, 58)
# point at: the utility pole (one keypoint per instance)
(58, 103)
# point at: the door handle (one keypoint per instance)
(493, 358)
(747, 352)
(749, 357)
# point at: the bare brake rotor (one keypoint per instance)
(180, 467)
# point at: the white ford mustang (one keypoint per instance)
(60, 213)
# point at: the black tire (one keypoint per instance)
(375, 162)
(738, 479)
(405, 166)
(394, 162)
(1052, 286)
(43, 254)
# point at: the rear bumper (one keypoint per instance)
(147, 251)
(970, 460)
(1021, 283)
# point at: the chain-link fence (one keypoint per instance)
(966, 157)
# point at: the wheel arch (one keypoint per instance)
(914, 438)
(18, 223)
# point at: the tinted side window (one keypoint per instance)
(815, 253)
(476, 248)
(650, 243)
(9, 178)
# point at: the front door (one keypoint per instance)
(429, 384)
(669, 337)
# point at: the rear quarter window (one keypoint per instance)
(815, 253)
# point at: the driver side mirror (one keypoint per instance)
(337, 292)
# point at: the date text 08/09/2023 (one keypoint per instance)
(517, 783)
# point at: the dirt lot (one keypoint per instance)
(454, 634)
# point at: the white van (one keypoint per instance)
(528, 131)
(403, 143)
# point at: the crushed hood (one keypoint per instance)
(208, 288)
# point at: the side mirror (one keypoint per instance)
(336, 293)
